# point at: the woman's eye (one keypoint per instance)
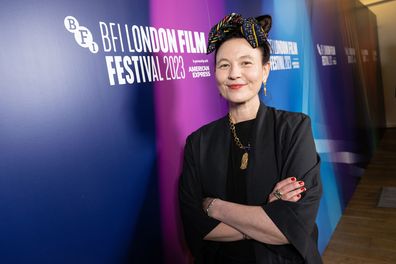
(223, 66)
(246, 63)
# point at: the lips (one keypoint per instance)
(235, 86)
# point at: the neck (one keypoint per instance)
(244, 111)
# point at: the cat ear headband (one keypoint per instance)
(254, 30)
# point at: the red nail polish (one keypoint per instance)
(293, 179)
(301, 183)
(298, 195)
(302, 189)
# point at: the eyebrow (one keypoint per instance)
(217, 63)
(246, 57)
(240, 58)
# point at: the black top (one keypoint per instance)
(241, 251)
(283, 146)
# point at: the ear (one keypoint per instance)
(266, 70)
(265, 22)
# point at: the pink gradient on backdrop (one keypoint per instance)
(181, 106)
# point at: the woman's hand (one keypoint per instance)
(288, 189)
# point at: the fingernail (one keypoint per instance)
(301, 182)
(293, 179)
(303, 189)
(298, 195)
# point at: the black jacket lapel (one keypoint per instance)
(263, 171)
(215, 146)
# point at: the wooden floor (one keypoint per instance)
(366, 233)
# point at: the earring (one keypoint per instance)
(265, 88)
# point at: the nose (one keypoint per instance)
(235, 73)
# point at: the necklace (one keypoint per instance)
(245, 156)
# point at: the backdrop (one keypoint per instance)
(97, 98)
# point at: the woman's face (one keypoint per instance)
(239, 70)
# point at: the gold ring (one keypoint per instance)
(278, 194)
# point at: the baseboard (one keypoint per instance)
(390, 125)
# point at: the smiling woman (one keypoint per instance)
(250, 187)
(238, 66)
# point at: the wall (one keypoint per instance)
(386, 13)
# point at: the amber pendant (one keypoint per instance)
(244, 161)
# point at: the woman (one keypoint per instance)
(250, 186)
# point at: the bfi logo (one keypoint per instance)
(82, 35)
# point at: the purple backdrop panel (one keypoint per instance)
(182, 105)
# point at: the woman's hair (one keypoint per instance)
(265, 22)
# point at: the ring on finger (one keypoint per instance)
(278, 194)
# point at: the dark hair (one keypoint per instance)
(266, 23)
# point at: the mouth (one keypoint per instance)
(235, 86)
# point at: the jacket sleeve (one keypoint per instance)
(195, 221)
(296, 220)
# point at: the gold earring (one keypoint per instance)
(265, 88)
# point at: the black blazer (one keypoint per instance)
(283, 146)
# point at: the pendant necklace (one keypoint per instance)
(245, 156)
